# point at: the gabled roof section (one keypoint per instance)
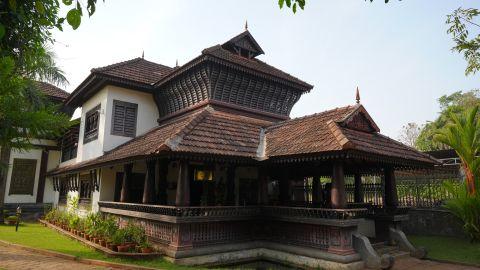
(309, 134)
(136, 74)
(52, 91)
(137, 69)
(340, 129)
(243, 41)
(359, 119)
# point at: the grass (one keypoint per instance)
(37, 236)
(449, 248)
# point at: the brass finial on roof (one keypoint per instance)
(176, 63)
(358, 96)
(143, 54)
(246, 25)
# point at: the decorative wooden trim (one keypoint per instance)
(42, 176)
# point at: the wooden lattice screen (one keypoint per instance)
(23, 176)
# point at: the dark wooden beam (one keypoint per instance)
(316, 191)
(162, 169)
(358, 193)
(183, 185)
(391, 197)
(338, 198)
(231, 185)
(149, 185)
(263, 186)
(126, 183)
(42, 176)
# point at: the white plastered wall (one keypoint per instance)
(53, 161)
(17, 198)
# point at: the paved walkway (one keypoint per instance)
(13, 259)
(416, 264)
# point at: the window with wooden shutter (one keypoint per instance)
(91, 124)
(124, 118)
(23, 176)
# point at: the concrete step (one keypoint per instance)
(386, 249)
(382, 249)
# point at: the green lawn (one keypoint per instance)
(37, 236)
(448, 248)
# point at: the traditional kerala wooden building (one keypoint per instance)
(224, 175)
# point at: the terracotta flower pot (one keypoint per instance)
(123, 248)
(87, 237)
(147, 250)
(102, 242)
(112, 247)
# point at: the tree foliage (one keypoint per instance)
(25, 33)
(409, 134)
(462, 133)
(456, 103)
(464, 27)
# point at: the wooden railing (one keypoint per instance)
(239, 211)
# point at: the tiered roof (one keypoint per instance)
(218, 133)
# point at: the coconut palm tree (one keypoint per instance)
(463, 135)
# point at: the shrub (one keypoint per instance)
(108, 228)
(73, 221)
(119, 237)
(466, 207)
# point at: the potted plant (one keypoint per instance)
(118, 240)
(145, 247)
(11, 220)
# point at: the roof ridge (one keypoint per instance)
(174, 140)
(344, 142)
(111, 66)
(209, 51)
(292, 120)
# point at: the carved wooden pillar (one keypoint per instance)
(338, 198)
(183, 185)
(263, 186)
(149, 185)
(231, 185)
(391, 198)
(358, 195)
(42, 176)
(127, 179)
(162, 167)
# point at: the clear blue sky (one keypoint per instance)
(398, 53)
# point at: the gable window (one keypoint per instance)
(91, 124)
(124, 118)
(23, 176)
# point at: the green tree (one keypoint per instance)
(462, 23)
(462, 133)
(25, 34)
(456, 103)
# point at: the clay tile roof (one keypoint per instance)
(307, 134)
(223, 133)
(197, 132)
(51, 90)
(138, 69)
(252, 63)
(332, 131)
